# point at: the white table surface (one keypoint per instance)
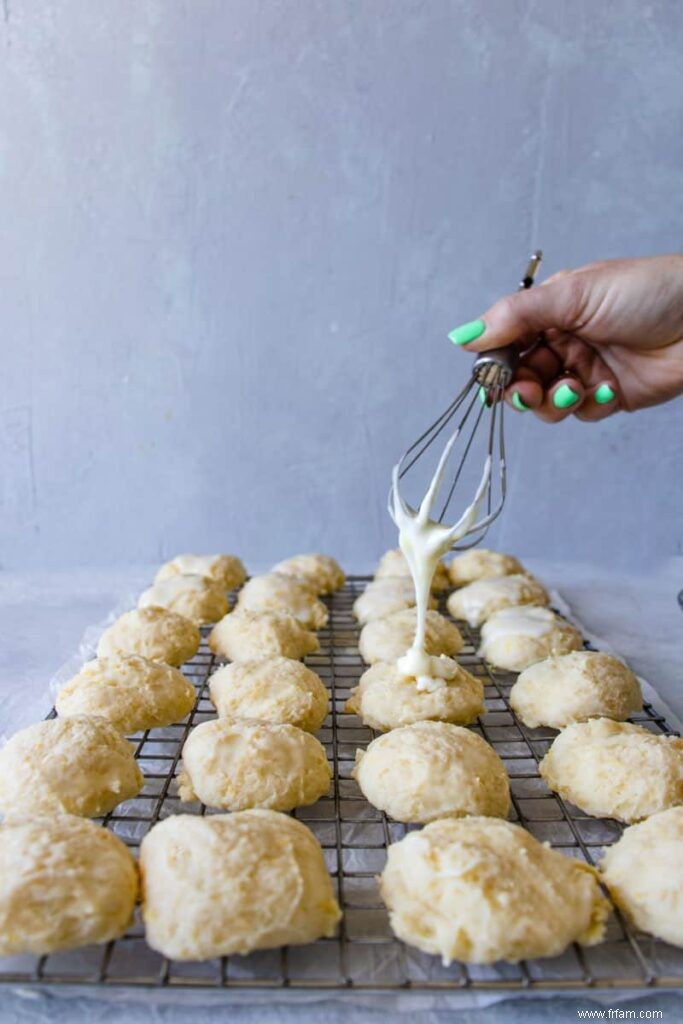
(42, 619)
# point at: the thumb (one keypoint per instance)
(520, 317)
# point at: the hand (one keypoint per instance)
(612, 338)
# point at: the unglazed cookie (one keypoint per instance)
(384, 699)
(195, 597)
(393, 563)
(239, 763)
(233, 883)
(134, 693)
(154, 633)
(277, 592)
(481, 564)
(478, 601)
(64, 883)
(515, 638)
(225, 570)
(389, 638)
(644, 874)
(323, 573)
(573, 688)
(386, 596)
(481, 890)
(615, 769)
(272, 690)
(78, 766)
(246, 636)
(431, 770)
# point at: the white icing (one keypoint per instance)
(423, 541)
(524, 621)
(475, 596)
(194, 565)
(429, 671)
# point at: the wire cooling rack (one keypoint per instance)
(354, 835)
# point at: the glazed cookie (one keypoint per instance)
(233, 883)
(615, 769)
(515, 638)
(393, 563)
(478, 601)
(239, 763)
(573, 688)
(431, 770)
(195, 597)
(64, 883)
(644, 875)
(389, 638)
(245, 636)
(78, 766)
(386, 596)
(225, 570)
(481, 890)
(273, 690)
(481, 564)
(323, 573)
(277, 592)
(154, 633)
(384, 699)
(133, 693)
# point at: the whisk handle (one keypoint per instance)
(496, 367)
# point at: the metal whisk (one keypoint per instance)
(491, 373)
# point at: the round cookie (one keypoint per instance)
(386, 596)
(64, 883)
(431, 770)
(384, 699)
(644, 874)
(393, 563)
(195, 597)
(154, 633)
(615, 769)
(389, 638)
(78, 766)
(233, 883)
(573, 688)
(133, 693)
(277, 592)
(245, 636)
(239, 763)
(478, 601)
(322, 572)
(515, 638)
(225, 570)
(481, 564)
(277, 690)
(481, 890)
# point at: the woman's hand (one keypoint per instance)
(612, 338)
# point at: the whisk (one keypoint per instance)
(491, 373)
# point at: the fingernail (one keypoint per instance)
(604, 394)
(518, 403)
(467, 332)
(564, 397)
(483, 396)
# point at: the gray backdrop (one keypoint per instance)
(235, 234)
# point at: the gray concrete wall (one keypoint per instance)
(231, 231)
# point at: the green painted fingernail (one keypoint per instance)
(483, 396)
(518, 403)
(604, 394)
(564, 397)
(467, 332)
